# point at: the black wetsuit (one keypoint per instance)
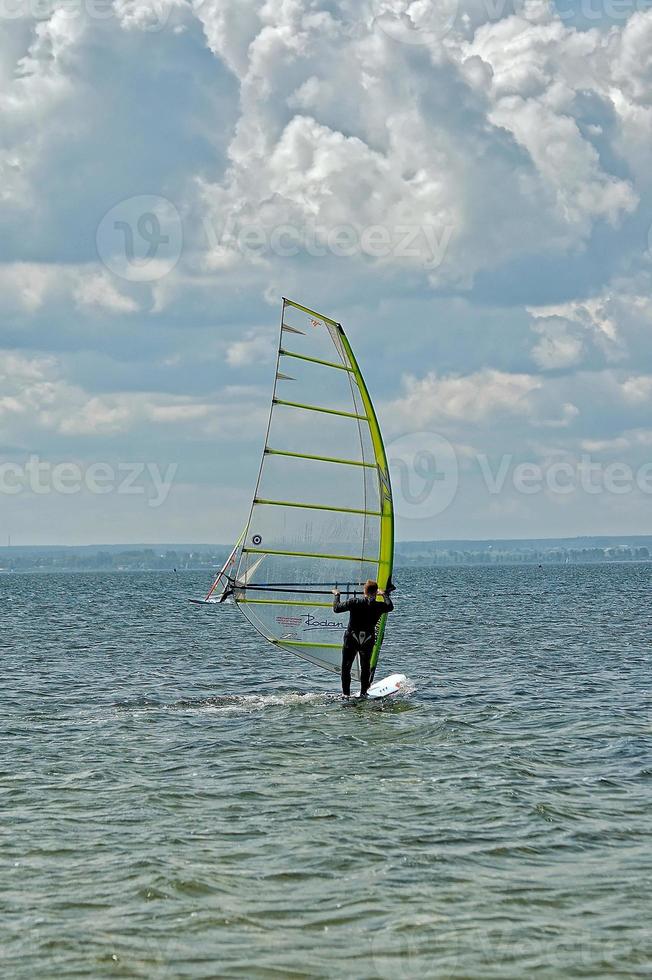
(360, 636)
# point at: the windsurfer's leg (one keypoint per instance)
(348, 656)
(365, 669)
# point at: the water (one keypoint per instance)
(179, 799)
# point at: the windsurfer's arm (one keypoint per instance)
(338, 606)
(389, 605)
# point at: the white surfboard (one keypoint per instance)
(388, 687)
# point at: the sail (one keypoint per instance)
(322, 514)
(221, 582)
(221, 587)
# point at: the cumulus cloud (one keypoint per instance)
(558, 347)
(605, 329)
(36, 397)
(256, 347)
(466, 185)
(99, 292)
(384, 138)
(479, 397)
(638, 390)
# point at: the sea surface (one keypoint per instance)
(179, 799)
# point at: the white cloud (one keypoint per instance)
(30, 287)
(37, 398)
(30, 95)
(638, 390)
(558, 348)
(179, 412)
(255, 348)
(370, 141)
(609, 327)
(26, 286)
(99, 292)
(515, 148)
(90, 416)
(475, 398)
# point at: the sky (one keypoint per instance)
(466, 186)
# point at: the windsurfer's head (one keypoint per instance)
(371, 588)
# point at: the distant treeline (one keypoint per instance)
(206, 558)
(553, 556)
(535, 551)
(89, 560)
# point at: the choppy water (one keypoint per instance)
(180, 800)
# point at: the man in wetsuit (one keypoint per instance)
(360, 634)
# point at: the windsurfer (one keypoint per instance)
(360, 635)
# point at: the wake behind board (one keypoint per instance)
(388, 687)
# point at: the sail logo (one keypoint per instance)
(309, 623)
(312, 623)
(288, 620)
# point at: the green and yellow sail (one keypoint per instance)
(322, 514)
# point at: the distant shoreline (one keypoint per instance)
(7, 572)
(205, 559)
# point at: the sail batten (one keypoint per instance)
(286, 602)
(322, 409)
(315, 360)
(295, 549)
(329, 507)
(308, 554)
(321, 459)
